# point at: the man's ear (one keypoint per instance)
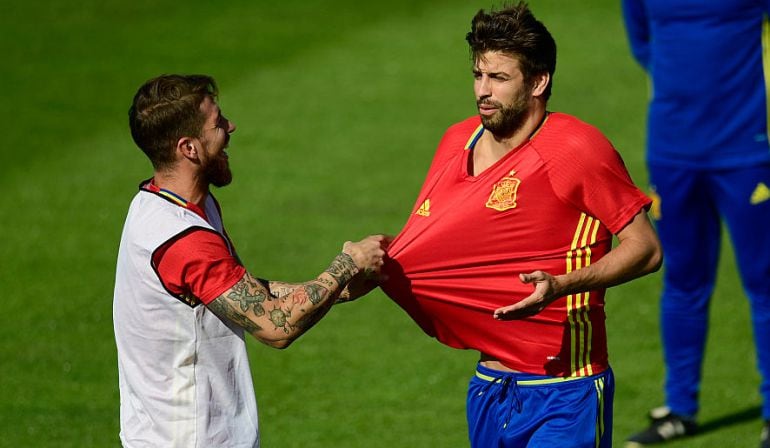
(187, 147)
(541, 83)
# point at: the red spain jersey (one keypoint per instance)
(552, 204)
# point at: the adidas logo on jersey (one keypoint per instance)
(424, 209)
(760, 194)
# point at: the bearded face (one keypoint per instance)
(215, 138)
(503, 93)
(509, 117)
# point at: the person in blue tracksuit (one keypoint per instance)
(709, 162)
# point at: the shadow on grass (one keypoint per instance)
(735, 418)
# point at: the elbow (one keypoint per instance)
(280, 344)
(655, 258)
(277, 340)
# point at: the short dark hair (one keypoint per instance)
(166, 109)
(515, 31)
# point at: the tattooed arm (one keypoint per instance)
(360, 285)
(279, 313)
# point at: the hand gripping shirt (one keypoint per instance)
(552, 204)
(184, 374)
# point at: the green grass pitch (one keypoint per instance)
(339, 105)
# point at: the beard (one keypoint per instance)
(217, 172)
(510, 118)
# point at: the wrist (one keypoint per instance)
(342, 269)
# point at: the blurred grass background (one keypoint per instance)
(339, 106)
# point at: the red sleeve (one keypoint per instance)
(588, 173)
(197, 262)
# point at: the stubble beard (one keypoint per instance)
(218, 172)
(508, 119)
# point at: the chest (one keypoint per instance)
(507, 206)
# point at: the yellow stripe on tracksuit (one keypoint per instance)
(581, 333)
(556, 379)
(766, 65)
(599, 383)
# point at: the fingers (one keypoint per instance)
(383, 240)
(533, 304)
(368, 254)
(533, 277)
(526, 308)
(504, 313)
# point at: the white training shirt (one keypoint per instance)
(184, 374)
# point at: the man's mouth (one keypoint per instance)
(487, 109)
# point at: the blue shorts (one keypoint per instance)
(519, 410)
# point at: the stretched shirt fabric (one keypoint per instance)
(184, 374)
(689, 47)
(551, 204)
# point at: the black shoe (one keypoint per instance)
(764, 439)
(665, 426)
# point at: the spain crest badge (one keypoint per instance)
(503, 196)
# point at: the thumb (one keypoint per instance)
(532, 277)
(527, 278)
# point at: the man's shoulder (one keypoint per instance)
(561, 122)
(563, 131)
(153, 214)
(459, 135)
(567, 144)
(463, 128)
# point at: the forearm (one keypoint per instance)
(629, 260)
(637, 253)
(360, 285)
(279, 313)
(280, 289)
(300, 306)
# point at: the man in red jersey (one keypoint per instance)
(509, 248)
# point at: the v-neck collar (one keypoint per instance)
(476, 136)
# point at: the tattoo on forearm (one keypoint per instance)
(280, 319)
(248, 295)
(292, 308)
(311, 318)
(221, 307)
(316, 293)
(342, 269)
(280, 289)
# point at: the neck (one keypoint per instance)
(188, 187)
(490, 148)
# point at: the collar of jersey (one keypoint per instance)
(172, 197)
(480, 130)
